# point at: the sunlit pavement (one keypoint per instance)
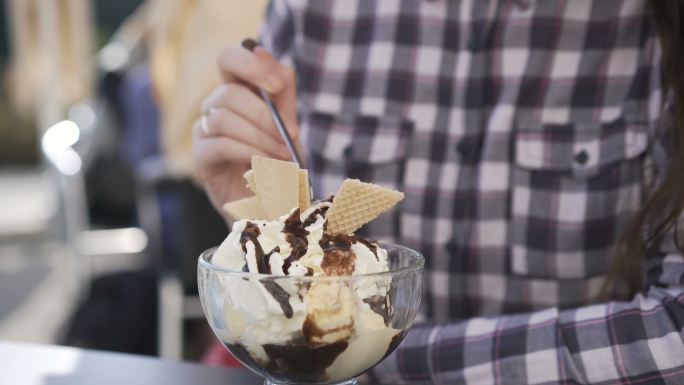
(33, 293)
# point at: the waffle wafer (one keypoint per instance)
(357, 203)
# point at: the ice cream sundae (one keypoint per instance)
(308, 301)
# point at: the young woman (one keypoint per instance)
(538, 143)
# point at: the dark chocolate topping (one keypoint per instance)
(338, 257)
(294, 226)
(338, 262)
(303, 363)
(251, 233)
(242, 354)
(336, 242)
(313, 217)
(370, 245)
(311, 331)
(280, 295)
(295, 233)
(394, 342)
(294, 362)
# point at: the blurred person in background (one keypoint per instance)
(50, 66)
(48, 69)
(184, 39)
(538, 143)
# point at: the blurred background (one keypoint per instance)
(101, 221)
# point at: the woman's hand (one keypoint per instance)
(239, 124)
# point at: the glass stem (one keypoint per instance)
(348, 382)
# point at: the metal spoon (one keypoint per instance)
(251, 44)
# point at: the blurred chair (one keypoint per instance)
(85, 128)
(49, 69)
(181, 223)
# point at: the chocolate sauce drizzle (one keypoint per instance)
(336, 242)
(312, 332)
(313, 217)
(295, 234)
(394, 343)
(303, 363)
(294, 362)
(370, 245)
(280, 295)
(251, 233)
(338, 257)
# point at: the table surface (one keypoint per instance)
(29, 364)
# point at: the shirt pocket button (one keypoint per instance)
(582, 157)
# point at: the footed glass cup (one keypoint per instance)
(312, 330)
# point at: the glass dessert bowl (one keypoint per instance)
(321, 329)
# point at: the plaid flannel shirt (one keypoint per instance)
(525, 135)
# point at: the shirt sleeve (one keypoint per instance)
(640, 341)
(613, 342)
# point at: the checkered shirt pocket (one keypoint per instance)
(573, 184)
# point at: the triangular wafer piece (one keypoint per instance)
(304, 191)
(246, 208)
(357, 203)
(249, 178)
(277, 185)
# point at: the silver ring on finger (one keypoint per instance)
(204, 120)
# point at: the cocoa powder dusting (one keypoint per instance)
(338, 262)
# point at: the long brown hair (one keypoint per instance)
(659, 216)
